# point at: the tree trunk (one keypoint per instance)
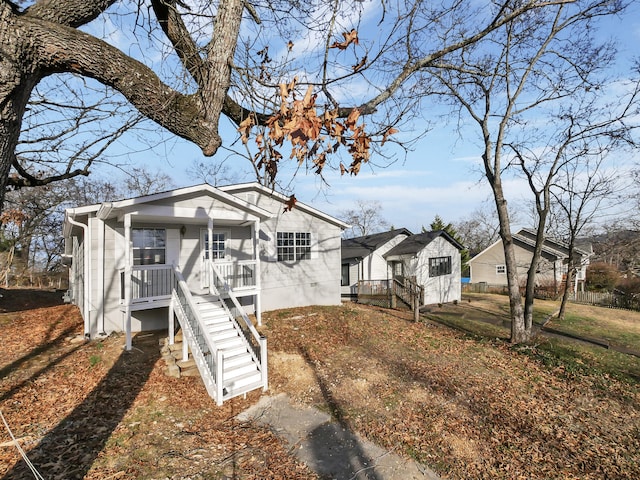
(15, 89)
(519, 331)
(567, 284)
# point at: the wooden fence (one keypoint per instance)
(601, 299)
(605, 299)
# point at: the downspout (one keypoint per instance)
(85, 283)
(255, 233)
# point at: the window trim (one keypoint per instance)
(440, 266)
(298, 246)
(140, 258)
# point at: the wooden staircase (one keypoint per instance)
(240, 373)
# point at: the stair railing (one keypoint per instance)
(257, 343)
(409, 292)
(208, 358)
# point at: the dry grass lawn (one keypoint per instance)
(468, 406)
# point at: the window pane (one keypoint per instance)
(345, 274)
(148, 246)
(439, 266)
(285, 246)
(303, 246)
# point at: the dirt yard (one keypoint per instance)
(467, 407)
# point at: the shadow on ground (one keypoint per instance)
(69, 450)
(19, 299)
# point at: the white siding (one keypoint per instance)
(375, 265)
(442, 288)
(314, 281)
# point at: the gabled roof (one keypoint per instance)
(257, 187)
(528, 235)
(413, 244)
(107, 207)
(551, 249)
(360, 247)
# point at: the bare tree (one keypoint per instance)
(213, 68)
(536, 93)
(141, 181)
(365, 218)
(582, 192)
(480, 228)
(213, 172)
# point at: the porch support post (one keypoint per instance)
(209, 266)
(171, 325)
(255, 235)
(185, 349)
(127, 280)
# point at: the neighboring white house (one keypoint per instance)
(143, 263)
(363, 258)
(432, 260)
(489, 265)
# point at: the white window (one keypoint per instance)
(293, 246)
(501, 269)
(218, 245)
(149, 246)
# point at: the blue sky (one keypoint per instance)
(441, 176)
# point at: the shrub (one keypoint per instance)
(602, 277)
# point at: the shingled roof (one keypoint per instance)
(415, 243)
(360, 247)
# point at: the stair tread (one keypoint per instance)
(238, 380)
(234, 371)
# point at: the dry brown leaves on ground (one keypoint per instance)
(468, 408)
(90, 410)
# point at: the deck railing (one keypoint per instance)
(155, 282)
(149, 282)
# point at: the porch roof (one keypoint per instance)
(284, 199)
(142, 207)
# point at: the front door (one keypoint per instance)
(219, 252)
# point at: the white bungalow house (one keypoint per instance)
(396, 263)
(489, 266)
(202, 257)
(432, 261)
(363, 258)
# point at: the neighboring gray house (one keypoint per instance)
(432, 260)
(489, 265)
(363, 258)
(205, 257)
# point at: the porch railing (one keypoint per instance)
(235, 275)
(149, 282)
(256, 342)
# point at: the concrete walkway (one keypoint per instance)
(329, 449)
